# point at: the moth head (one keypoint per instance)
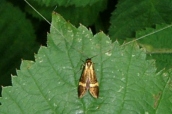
(89, 63)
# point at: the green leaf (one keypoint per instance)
(128, 82)
(17, 40)
(136, 15)
(158, 44)
(76, 3)
(159, 37)
(87, 15)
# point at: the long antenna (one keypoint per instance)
(37, 12)
(43, 17)
(148, 34)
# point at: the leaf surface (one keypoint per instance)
(130, 17)
(77, 3)
(158, 45)
(128, 82)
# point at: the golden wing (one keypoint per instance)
(94, 86)
(82, 83)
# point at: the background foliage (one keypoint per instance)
(23, 30)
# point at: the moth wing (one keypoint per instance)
(94, 86)
(81, 91)
(82, 84)
(94, 91)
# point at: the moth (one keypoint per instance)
(88, 80)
